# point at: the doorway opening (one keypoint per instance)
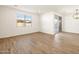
(57, 24)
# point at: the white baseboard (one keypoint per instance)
(9, 35)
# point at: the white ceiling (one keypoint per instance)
(63, 9)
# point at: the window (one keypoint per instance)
(23, 20)
(28, 19)
(20, 19)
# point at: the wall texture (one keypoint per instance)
(47, 22)
(43, 22)
(8, 23)
(70, 24)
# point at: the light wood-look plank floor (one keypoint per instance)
(41, 43)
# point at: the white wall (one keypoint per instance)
(43, 23)
(70, 24)
(8, 23)
(47, 22)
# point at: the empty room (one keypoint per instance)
(39, 29)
